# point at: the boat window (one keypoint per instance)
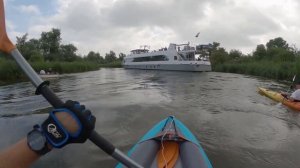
(151, 58)
(175, 57)
(181, 57)
(139, 51)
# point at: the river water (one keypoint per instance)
(237, 127)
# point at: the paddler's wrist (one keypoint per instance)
(37, 141)
(68, 123)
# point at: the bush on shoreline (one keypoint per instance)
(10, 72)
(65, 67)
(275, 60)
(268, 69)
(47, 53)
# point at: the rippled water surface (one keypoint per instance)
(237, 127)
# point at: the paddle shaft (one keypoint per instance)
(56, 102)
(292, 84)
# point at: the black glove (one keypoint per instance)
(58, 136)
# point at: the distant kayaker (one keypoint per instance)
(295, 96)
(70, 124)
(42, 72)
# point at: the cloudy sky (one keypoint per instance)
(122, 25)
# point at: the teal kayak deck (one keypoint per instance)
(191, 153)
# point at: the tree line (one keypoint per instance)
(276, 59)
(50, 49)
(277, 50)
(47, 52)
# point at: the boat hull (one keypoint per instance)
(171, 67)
(188, 154)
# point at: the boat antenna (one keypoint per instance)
(145, 46)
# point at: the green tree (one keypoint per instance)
(281, 55)
(67, 52)
(218, 56)
(277, 43)
(260, 52)
(28, 48)
(278, 50)
(33, 44)
(94, 57)
(110, 57)
(21, 41)
(121, 56)
(21, 45)
(36, 56)
(215, 46)
(91, 56)
(99, 58)
(3, 55)
(295, 50)
(50, 42)
(235, 54)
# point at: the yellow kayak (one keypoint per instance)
(279, 98)
(271, 94)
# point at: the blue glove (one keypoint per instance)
(58, 136)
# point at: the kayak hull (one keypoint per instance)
(271, 94)
(292, 104)
(279, 98)
(171, 140)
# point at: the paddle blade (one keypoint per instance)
(5, 44)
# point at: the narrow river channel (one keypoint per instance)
(237, 126)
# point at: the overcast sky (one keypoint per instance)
(122, 25)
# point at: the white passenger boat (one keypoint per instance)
(178, 57)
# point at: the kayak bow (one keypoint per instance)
(169, 143)
(271, 94)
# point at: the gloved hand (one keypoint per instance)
(70, 124)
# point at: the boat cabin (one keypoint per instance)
(139, 51)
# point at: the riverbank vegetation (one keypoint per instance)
(276, 59)
(49, 54)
